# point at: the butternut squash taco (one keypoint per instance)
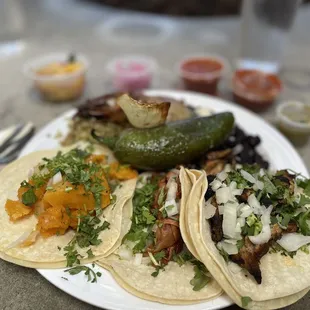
(251, 229)
(152, 261)
(60, 208)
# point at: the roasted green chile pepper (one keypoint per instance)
(172, 144)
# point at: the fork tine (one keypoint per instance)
(13, 149)
(8, 140)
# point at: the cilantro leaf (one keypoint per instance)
(159, 256)
(201, 277)
(161, 197)
(304, 200)
(245, 300)
(91, 274)
(157, 270)
(29, 197)
(149, 218)
(302, 221)
(183, 257)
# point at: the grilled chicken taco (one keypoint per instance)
(252, 232)
(59, 209)
(153, 262)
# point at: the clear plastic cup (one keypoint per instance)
(202, 73)
(57, 87)
(132, 72)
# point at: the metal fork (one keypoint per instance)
(12, 145)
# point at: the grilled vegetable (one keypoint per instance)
(175, 143)
(143, 114)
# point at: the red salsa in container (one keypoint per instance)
(255, 89)
(202, 73)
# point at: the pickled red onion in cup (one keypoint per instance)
(132, 72)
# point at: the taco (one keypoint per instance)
(61, 209)
(152, 261)
(251, 230)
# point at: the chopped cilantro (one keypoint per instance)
(90, 253)
(183, 257)
(245, 300)
(201, 278)
(91, 274)
(304, 249)
(156, 272)
(140, 231)
(304, 200)
(161, 197)
(29, 197)
(302, 221)
(159, 256)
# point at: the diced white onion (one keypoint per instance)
(223, 195)
(293, 241)
(229, 248)
(237, 192)
(255, 205)
(238, 166)
(231, 241)
(172, 189)
(222, 176)
(216, 184)
(247, 176)
(19, 240)
(259, 184)
(238, 228)
(30, 173)
(210, 210)
(125, 253)
(241, 221)
(153, 259)
(227, 168)
(56, 178)
(221, 209)
(44, 171)
(261, 172)
(137, 259)
(245, 211)
(233, 185)
(230, 219)
(265, 235)
(171, 207)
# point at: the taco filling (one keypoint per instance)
(68, 193)
(252, 212)
(155, 235)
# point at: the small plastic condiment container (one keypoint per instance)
(58, 87)
(255, 89)
(132, 72)
(202, 73)
(293, 119)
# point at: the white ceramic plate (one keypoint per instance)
(106, 293)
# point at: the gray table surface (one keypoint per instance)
(45, 26)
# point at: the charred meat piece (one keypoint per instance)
(250, 254)
(286, 178)
(216, 223)
(245, 195)
(214, 167)
(219, 154)
(167, 235)
(103, 108)
(249, 258)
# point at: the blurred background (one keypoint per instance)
(273, 32)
